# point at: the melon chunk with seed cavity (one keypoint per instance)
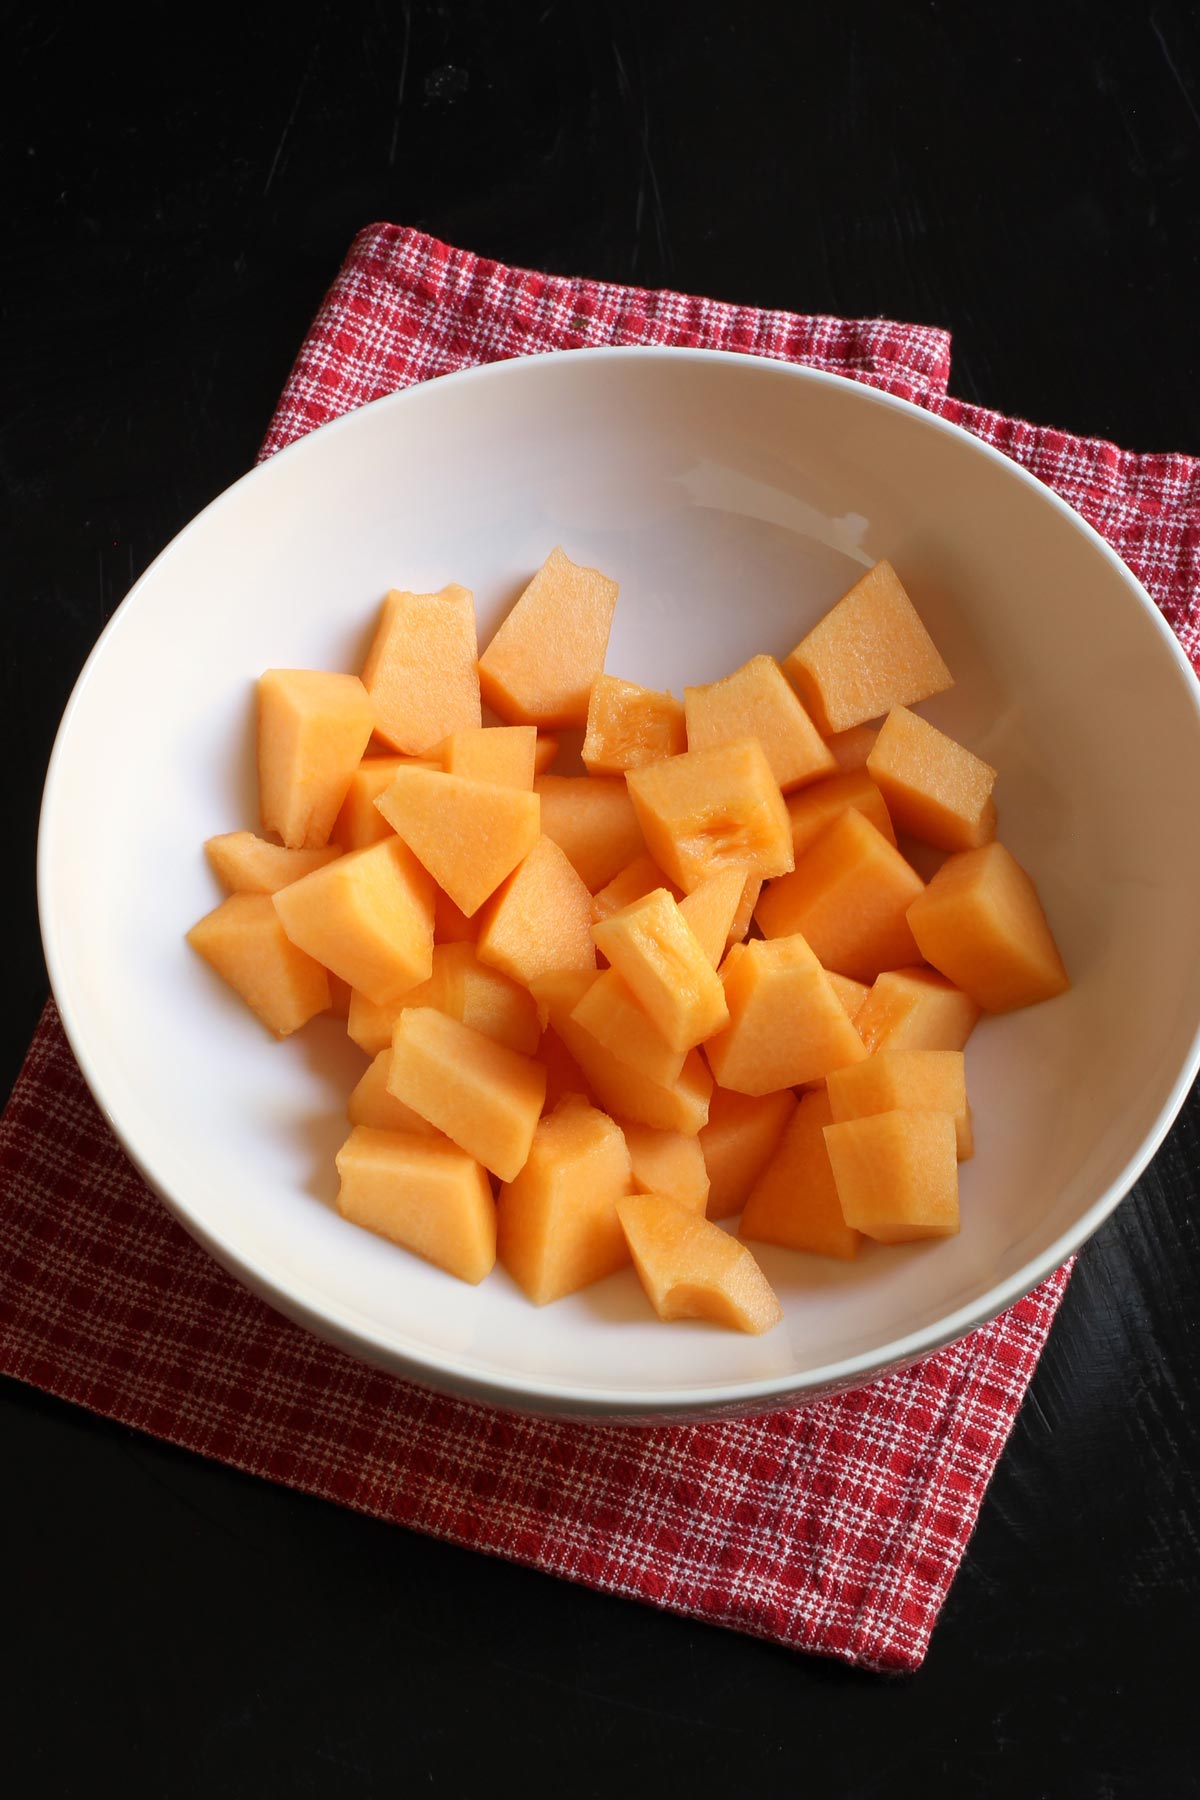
(312, 730)
(420, 671)
(849, 896)
(897, 1175)
(981, 924)
(540, 666)
(815, 808)
(795, 1202)
(738, 1143)
(667, 1163)
(915, 1009)
(371, 1104)
(869, 653)
(244, 942)
(591, 819)
(757, 702)
(935, 790)
(654, 950)
(628, 725)
(786, 1024)
(468, 834)
(691, 1269)
(368, 916)
(557, 1219)
(539, 920)
(245, 864)
(711, 810)
(905, 1081)
(505, 755)
(633, 882)
(483, 1095)
(423, 1193)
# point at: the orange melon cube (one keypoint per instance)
(468, 834)
(813, 810)
(711, 911)
(851, 993)
(420, 671)
(915, 1009)
(360, 821)
(368, 916)
(681, 1105)
(479, 996)
(850, 749)
(869, 653)
(450, 924)
(371, 1104)
(423, 1193)
(545, 751)
(710, 810)
(540, 666)
(691, 1269)
(629, 725)
(484, 1096)
(738, 1143)
(897, 1175)
(652, 947)
(371, 1026)
(246, 945)
(935, 789)
(539, 920)
(634, 882)
(591, 819)
(667, 1163)
(504, 755)
(245, 864)
(312, 730)
(563, 1074)
(786, 1024)
(905, 1081)
(981, 924)
(557, 1220)
(795, 1201)
(757, 702)
(849, 896)
(610, 1012)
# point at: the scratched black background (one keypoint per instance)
(177, 199)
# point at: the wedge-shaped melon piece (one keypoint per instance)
(628, 725)
(711, 810)
(545, 751)
(371, 1026)
(450, 924)
(738, 1143)
(851, 748)
(624, 1092)
(505, 755)
(479, 996)
(590, 818)
(360, 821)
(869, 653)
(563, 1074)
(851, 993)
(757, 702)
(246, 945)
(915, 1009)
(610, 1012)
(312, 730)
(468, 834)
(539, 920)
(935, 789)
(667, 1163)
(691, 1269)
(540, 666)
(786, 1024)
(849, 896)
(371, 1104)
(420, 670)
(814, 808)
(711, 911)
(558, 1225)
(368, 916)
(653, 948)
(897, 1175)
(981, 924)
(422, 1192)
(634, 882)
(245, 864)
(905, 1081)
(795, 1201)
(483, 1095)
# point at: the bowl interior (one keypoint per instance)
(734, 500)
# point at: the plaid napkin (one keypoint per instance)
(835, 1528)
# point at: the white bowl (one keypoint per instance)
(734, 500)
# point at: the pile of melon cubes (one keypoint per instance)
(601, 1012)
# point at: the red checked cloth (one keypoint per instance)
(836, 1528)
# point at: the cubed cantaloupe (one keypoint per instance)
(710, 810)
(934, 788)
(368, 916)
(915, 1009)
(468, 834)
(420, 671)
(667, 1163)
(610, 1012)
(633, 882)
(544, 753)
(360, 822)
(738, 1143)
(756, 701)
(849, 896)
(815, 808)
(540, 919)
(504, 755)
(628, 725)
(981, 924)
(312, 730)
(711, 911)
(905, 1081)
(540, 666)
(246, 864)
(479, 996)
(795, 1201)
(681, 1105)
(869, 653)
(450, 924)
(786, 1024)
(371, 1104)
(558, 1229)
(691, 1269)
(652, 947)
(897, 1175)
(371, 1026)
(851, 993)
(483, 1095)
(423, 1193)
(851, 748)
(591, 819)
(244, 942)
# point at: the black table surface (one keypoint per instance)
(179, 196)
